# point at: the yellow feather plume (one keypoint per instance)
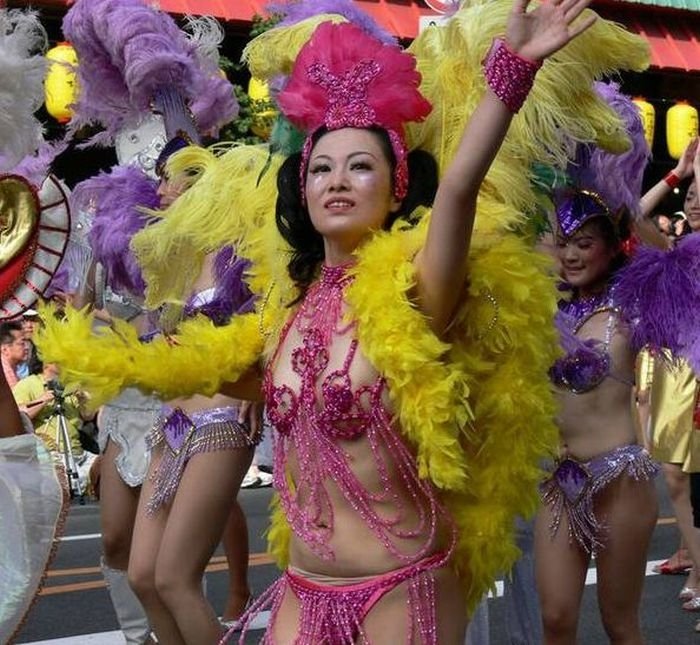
(274, 51)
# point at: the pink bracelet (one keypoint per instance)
(509, 75)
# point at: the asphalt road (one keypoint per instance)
(74, 601)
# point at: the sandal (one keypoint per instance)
(235, 623)
(692, 605)
(674, 566)
(687, 593)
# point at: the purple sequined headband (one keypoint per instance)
(577, 208)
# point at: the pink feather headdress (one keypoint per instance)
(344, 78)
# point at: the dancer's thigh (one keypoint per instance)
(560, 570)
(202, 503)
(118, 503)
(628, 509)
(148, 532)
(389, 620)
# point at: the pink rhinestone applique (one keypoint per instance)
(509, 75)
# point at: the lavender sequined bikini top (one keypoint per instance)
(587, 363)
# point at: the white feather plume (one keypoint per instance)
(23, 41)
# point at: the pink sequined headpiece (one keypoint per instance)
(344, 78)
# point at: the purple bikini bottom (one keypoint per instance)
(183, 436)
(573, 485)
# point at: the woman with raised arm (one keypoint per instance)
(340, 460)
(392, 487)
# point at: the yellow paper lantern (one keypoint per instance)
(681, 128)
(61, 84)
(262, 108)
(648, 116)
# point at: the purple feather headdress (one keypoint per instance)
(574, 209)
(298, 10)
(35, 167)
(116, 199)
(132, 55)
(617, 178)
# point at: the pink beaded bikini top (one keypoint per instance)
(344, 413)
(341, 411)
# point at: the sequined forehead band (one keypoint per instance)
(348, 107)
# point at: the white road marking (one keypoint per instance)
(116, 637)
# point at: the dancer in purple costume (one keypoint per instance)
(600, 499)
(201, 448)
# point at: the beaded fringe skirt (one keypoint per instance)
(333, 614)
(573, 485)
(184, 436)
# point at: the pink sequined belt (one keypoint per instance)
(573, 485)
(333, 614)
(186, 435)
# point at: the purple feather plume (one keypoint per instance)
(59, 283)
(129, 52)
(616, 178)
(231, 293)
(35, 168)
(298, 10)
(659, 292)
(116, 199)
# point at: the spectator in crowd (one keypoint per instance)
(664, 224)
(36, 396)
(30, 321)
(680, 225)
(13, 351)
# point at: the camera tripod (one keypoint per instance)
(64, 445)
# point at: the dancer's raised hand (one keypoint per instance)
(538, 33)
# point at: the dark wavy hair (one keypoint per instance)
(294, 222)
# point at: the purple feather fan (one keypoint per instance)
(231, 294)
(35, 168)
(116, 199)
(617, 178)
(298, 10)
(659, 292)
(128, 53)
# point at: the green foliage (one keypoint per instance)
(240, 128)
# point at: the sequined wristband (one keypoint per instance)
(672, 180)
(509, 75)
